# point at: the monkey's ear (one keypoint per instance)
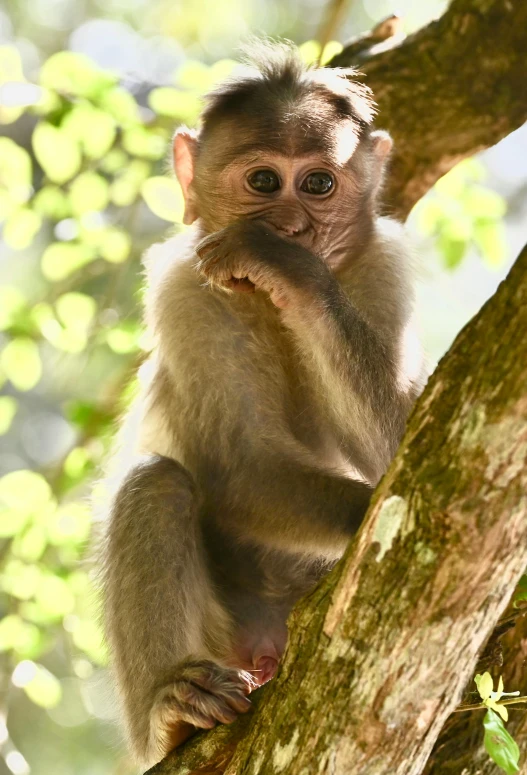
(184, 150)
(382, 144)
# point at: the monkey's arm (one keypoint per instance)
(360, 367)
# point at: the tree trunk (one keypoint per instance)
(380, 653)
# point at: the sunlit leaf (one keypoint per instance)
(194, 75)
(124, 338)
(164, 198)
(70, 524)
(20, 579)
(491, 240)
(115, 245)
(17, 634)
(483, 203)
(15, 170)
(12, 302)
(76, 309)
(43, 688)
(142, 142)
(10, 73)
(331, 50)
(87, 636)
(57, 152)
(61, 259)
(20, 362)
(76, 462)
(94, 129)
(89, 191)
(25, 491)
(114, 161)
(310, 51)
(120, 104)
(8, 409)
(165, 101)
(30, 545)
(75, 74)
(429, 214)
(452, 250)
(51, 202)
(21, 228)
(499, 744)
(54, 596)
(125, 189)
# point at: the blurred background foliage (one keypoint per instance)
(90, 92)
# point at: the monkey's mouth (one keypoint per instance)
(241, 284)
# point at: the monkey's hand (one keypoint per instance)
(201, 695)
(249, 255)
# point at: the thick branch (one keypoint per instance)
(381, 651)
(452, 89)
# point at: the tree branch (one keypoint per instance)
(380, 652)
(454, 88)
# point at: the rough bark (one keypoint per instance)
(454, 88)
(381, 651)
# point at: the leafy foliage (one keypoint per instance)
(70, 203)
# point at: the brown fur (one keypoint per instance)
(266, 417)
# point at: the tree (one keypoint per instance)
(382, 651)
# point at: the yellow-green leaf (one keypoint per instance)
(165, 101)
(115, 245)
(61, 259)
(142, 142)
(21, 228)
(164, 197)
(89, 191)
(41, 686)
(94, 129)
(20, 362)
(12, 302)
(75, 74)
(8, 409)
(15, 170)
(57, 152)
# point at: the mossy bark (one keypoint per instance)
(381, 651)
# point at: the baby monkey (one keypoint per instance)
(284, 367)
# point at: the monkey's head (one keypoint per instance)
(290, 145)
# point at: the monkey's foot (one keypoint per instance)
(201, 694)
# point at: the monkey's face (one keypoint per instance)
(306, 173)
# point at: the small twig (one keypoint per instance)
(481, 706)
(332, 18)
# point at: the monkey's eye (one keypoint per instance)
(264, 181)
(317, 183)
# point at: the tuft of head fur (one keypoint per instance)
(275, 74)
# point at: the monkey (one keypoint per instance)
(285, 361)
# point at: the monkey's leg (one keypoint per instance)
(166, 627)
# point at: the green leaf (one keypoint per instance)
(10, 72)
(69, 525)
(8, 409)
(20, 580)
(25, 492)
(31, 544)
(521, 591)
(499, 744)
(88, 637)
(164, 198)
(139, 141)
(115, 245)
(120, 104)
(88, 192)
(93, 129)
(185, 106)
(16, 634)
(490, 238)
(41, 686)
(54, 597)
(20, 362)
(21, 228)
(76, 310)
(481, 202)
(15, 170)
(452, 250)
(57, 152)
(12, 303)
(75, 74)
(52, 202)
(61, 259)
(124, 338)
